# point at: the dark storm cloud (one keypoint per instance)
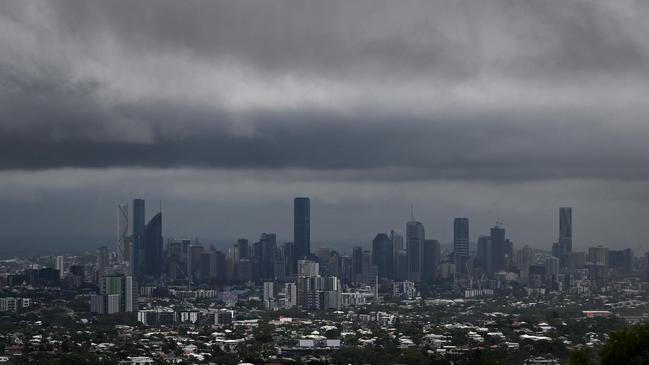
(414, 149)
(226, 110)
(507, 90)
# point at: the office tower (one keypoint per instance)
(461, 244)
(195, 252)
(401, 266)
(102, 260)
(565, 235)
(357, 263)
(415, 236)
(509, 254)
(498, 251)
(382, 255)
(346, 269)
(552, 273)
(265, 251)
(322, 255)
(400, 257)
(369, 272)
(59, 266)
(397, 241)
(524, 259)
(241, 249)
(621, 261)
(220, 262)
(302, 227)
(431, 259)
(598, 256)
(208, 265)
(335, 264)
(578, 259)
(555, 249)
(137, 231)
(483, 255)
(152, 242)
(288, 249)
(123, 244)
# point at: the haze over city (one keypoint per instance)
(225, 111)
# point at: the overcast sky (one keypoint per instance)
(227, 110)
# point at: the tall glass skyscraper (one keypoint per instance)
(382, 255)
(415, 236)
(302, 227)
(152, 242)
(123, 244)
(497, 239)
(461, 244)
(138, 231)
(565, 235)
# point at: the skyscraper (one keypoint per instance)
(152, 242)
(382, 255)
(241, 249)
(415, 236)
(137, 231)
(497, 239)
(431, 259)
(357, 263)
(123, 244)
(302, 227)
(400, 257)
(58, 265)
(102, 260)
(524, 259)
(461, 244)
(265, 252)
(565, 235)
(484, 253)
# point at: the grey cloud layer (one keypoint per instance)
(507, 90)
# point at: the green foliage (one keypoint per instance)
(629, 347)
(582, 356)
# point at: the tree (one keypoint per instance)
(582, 356)
(629, 347)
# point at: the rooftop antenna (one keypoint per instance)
(412, 213)
(161, 206)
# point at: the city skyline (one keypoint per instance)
(288, 235)
(479, 109)
(448, 182)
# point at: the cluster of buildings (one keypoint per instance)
(294, 275)
(445, 299)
